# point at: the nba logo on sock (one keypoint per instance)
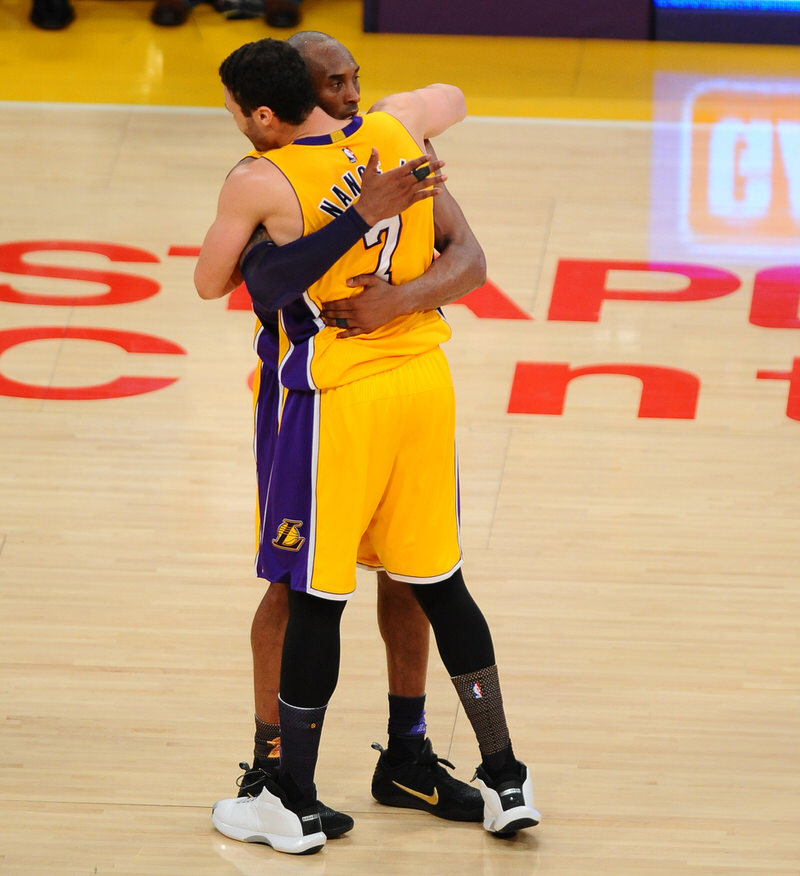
(477, 693)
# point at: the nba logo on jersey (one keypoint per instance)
(477, 693)
(350, 155)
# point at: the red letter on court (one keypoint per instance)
(793, 376)
(579, 288)
(489, 302)
(776, 295)
(122, 288)
(132, 342)
(541, 387)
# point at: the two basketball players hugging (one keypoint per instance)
(355, 432)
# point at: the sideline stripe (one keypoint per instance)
(219, 111)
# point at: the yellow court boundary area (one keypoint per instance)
(113, 54)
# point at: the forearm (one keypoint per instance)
(457, 271)
(277, 275)
(216, 272)
(460, 267)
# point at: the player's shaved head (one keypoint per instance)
(309, 40)
(321, 52)
(334, 72)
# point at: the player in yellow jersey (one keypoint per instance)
(364, 460)
(408, 770)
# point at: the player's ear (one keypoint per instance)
(264, 115)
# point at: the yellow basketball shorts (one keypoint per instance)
(364, 473)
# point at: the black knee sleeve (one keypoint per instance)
(462, 634)
(311, 649)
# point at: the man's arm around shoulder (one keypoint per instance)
(427, 111)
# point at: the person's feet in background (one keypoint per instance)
(277, 13)
(52, 14)
(282, 13)
(238, 10)
(170, 13)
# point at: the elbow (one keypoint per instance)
(460, 105)
(455, 100)
(477, 273)
(206, 292)
(480, 269)
(200, 286)
(205, 289)
(457, 103)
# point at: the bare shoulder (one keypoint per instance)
(253, 171)
(258, 193)
(256, 186)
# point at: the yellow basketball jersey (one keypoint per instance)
(325, 172)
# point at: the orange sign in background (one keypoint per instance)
(741, 164)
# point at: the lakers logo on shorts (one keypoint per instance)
(288, 537)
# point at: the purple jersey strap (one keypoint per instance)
(277, 275)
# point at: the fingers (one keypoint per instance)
(414, 163)
(359, 280)
(333, 310)
(341, 306)
(427, 177)
(424, 166)
(390, 192)
(423, 170)
(374, 161)
(337, 322)
(338, 318)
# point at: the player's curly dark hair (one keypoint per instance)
(269, 73)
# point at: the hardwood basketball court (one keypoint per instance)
(629, 414)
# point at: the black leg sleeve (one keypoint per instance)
(462, 634)
(311, 649)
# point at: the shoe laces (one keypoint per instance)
(253, 777)
(426, 757)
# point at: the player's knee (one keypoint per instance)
(438, 597)
(462, 635)
(275, 596)
(272, 612)
(310, 664)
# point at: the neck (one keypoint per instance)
(317, 122)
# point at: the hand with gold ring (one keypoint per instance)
(373, 305)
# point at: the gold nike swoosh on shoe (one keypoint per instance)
(433, 798)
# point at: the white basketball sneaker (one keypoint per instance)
(508, 806)
(267, 819)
